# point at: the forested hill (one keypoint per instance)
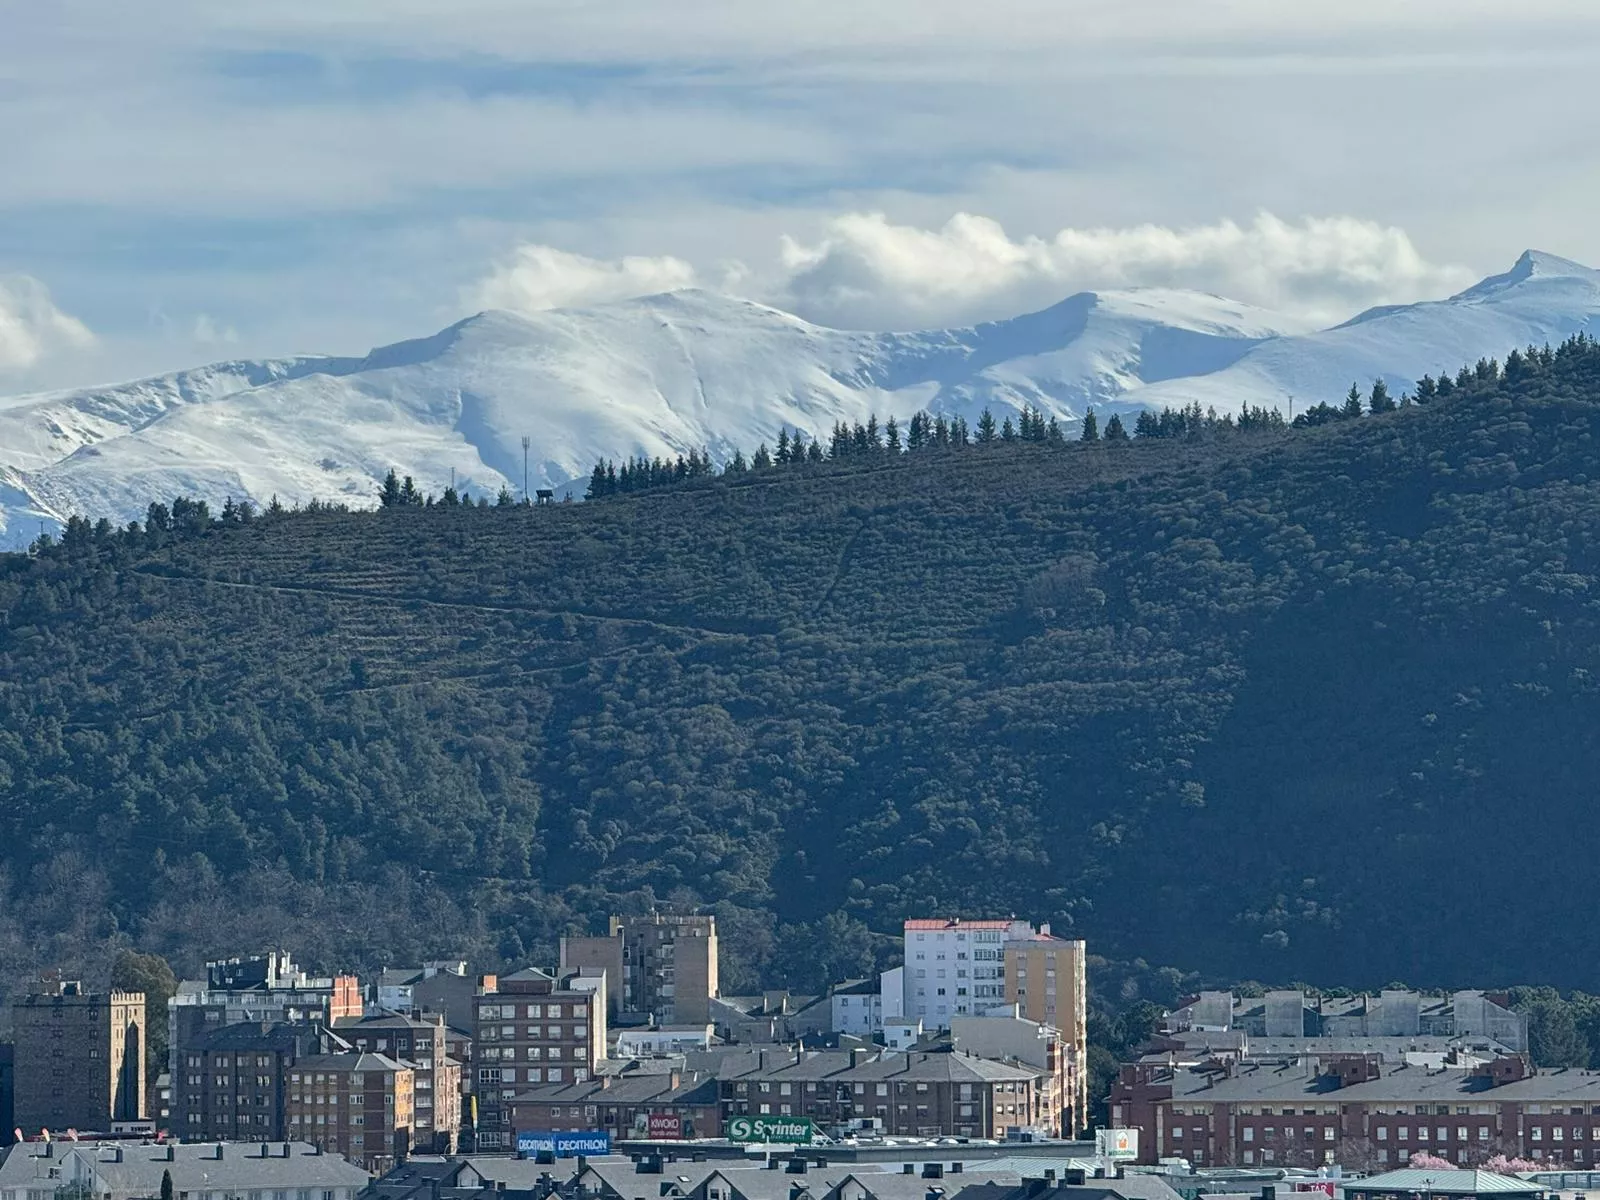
(1317, 704)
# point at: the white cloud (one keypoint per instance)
(208, 331)
(32, 327)
(536, 277)
(867, 272)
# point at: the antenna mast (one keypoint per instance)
(526, 441)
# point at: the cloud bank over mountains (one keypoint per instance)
(32, 328)
(865, 271)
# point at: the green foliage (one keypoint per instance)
(1041, 679)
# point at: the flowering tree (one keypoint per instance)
(1424, 1161)
(1506, 1165)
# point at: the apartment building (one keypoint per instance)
(531, 1028)
(857, 1007)
(661, 964)
(434, 987)
(955, 968)
(1046, 978)
(359, 1105)
(233, 1081)
(1037, 1045)
(671, 1105)
(1359, 1111)
(916, 1093)
(78, 1058)
(266, 989)
(422, 1043)
(1286, 1016)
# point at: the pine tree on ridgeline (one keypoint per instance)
(1091, 427)
(1380, 401)
(987, 430)
(1352, 402)
(1114, 429)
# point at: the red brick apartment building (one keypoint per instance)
(1358, 1111)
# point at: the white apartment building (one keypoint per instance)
(955, 968)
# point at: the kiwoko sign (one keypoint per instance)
(564, 1145)
(787, 1131)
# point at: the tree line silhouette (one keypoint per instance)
(865, 442)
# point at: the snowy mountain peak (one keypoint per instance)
(1532, 265)
(695, 369)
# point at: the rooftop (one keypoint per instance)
(1454, 1183)
(1258, 1082)
(134, 1169)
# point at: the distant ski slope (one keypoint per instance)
(691, 369)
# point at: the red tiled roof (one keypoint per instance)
(956, 923)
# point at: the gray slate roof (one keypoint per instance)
(693, 1088)
(1396, 1083)
(916, 1066)
(194, 1167)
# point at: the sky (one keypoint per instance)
(184, 181)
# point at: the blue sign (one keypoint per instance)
(563, 1145)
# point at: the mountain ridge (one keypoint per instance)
(1216, 700)
(660, 375)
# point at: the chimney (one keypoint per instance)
(219, 1151)
(171, 1153)
(855, 1058)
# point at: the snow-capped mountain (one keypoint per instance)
(1541, 299)
(665, 374)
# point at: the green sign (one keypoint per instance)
(787, 1131)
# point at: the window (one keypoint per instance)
(1536, 1134)
(1483, 1133)
(1177, 1134)
(1383, 1133)
(1249, 1135)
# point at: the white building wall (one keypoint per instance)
(859, 1013)
(892, 993)
(956, 969)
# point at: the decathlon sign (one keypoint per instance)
(787, 1131)
(564, 1145)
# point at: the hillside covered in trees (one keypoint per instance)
(1314, 703)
